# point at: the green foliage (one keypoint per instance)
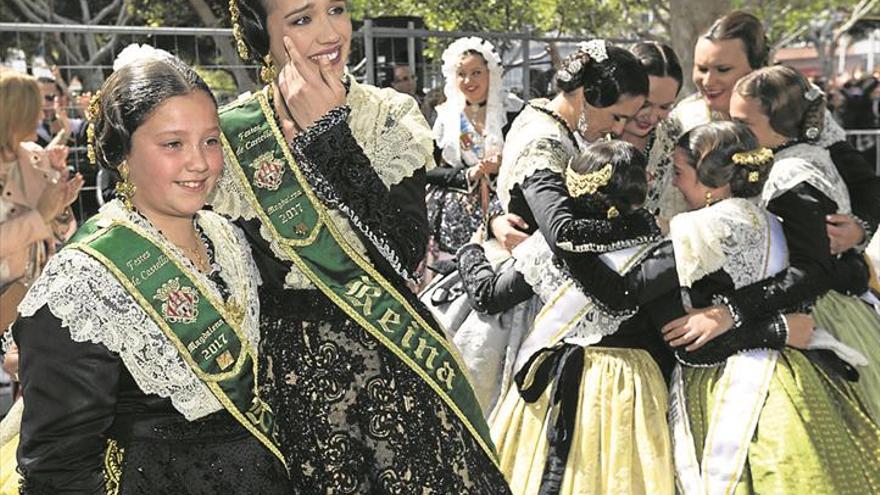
(539, 16)
(781, 18)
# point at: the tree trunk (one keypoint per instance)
(689, 19)
(225, 45)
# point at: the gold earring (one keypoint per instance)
(124, 188)
(269, 71)
(708, 198)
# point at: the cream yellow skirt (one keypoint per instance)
(593, 421)
(9, 428)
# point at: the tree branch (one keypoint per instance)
(861, 10)
(27, 12)
(107, 11)
(72, 55)
(51, 15)
(121, 20)
(788, 37)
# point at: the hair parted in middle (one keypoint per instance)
(129, 96)
(743, 26)
(659, 60)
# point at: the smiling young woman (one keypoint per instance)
(137, 341)
(327, 177)
(731, 48)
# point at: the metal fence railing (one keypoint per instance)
(525, 55)
(867, 141)
(375, 49)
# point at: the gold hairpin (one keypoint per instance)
(240, 45)
(93, 109)
(580, 184)
(755, 158)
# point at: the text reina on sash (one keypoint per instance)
(148, 271)
(361, 293)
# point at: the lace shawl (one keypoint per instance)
(94, 307)
(733, 235)
(533, 258)
(390, 129)
(535, 142)
(810, 164)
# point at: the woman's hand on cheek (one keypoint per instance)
(307, 89)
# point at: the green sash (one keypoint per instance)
(276, 189)
(204, 330)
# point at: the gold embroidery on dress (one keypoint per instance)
(113, 467)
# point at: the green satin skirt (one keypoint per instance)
(813, 435)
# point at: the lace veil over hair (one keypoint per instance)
(447, 129)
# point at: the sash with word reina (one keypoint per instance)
(278, 192)
(203, 329)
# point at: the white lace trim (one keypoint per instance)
(390, 129)
(95, 307)
(810, 164)
(693, 111)
(733, 235)
(533, 258)
(522, 155)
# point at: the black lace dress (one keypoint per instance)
(352, 417)
(80, 397)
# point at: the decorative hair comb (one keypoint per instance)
(756, 158)
(580, 184)
(590, 50)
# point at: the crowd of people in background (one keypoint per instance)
(326, 286)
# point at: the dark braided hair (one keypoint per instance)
(628, 184)
(659, 60)
(252, 19)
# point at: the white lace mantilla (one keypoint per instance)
(733, 235)
(393, 134)
(535, 142)
(806, 163)
(94, 306)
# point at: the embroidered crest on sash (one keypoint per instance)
(269, 171)
(179, 303)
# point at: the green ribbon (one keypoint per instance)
(287, 206)
(203, 329)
